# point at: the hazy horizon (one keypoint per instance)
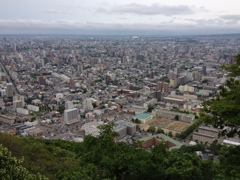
(128, 17)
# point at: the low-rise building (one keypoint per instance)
(150, 141)
(143, 117)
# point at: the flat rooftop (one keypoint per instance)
(163, 137)
(143, 116)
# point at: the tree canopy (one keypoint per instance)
(11, 167)
(224, 109)
(102, 158)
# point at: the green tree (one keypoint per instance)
(176, 117)
(150, 108)
(230, 162)
(224, 109)
(28, 101)
(61, 109)
(160, 131)
(137, 121)
(152, 129)
(94, 105)
(11, 167)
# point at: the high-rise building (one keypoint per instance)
(17, 104)
(72, 83)
(80, 68)
(14, 46)
(88, 104)
(18, 101)
(168, 67)
(107, 78)
(176, 70)
(69, 105)
(157, 95)
(71, 116)
(163, 86)
(204, 69)
(9, 90)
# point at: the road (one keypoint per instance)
(9, 78)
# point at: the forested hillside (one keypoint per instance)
(101, 158)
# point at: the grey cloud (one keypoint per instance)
(215, 21)
(206, 21)
(153, 9)
(235, 17)
(56, 11)
(22, 26)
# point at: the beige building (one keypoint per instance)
(186, 88)
(209, 131)
(206, 134)
(7, 119)
(202, 137)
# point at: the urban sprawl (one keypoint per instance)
(149, 88)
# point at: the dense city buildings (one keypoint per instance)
(134, 83)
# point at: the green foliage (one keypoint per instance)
(160, 131)
(28, 101)
(170, 134)
(150, 108)
(102, 158)
(11, 167)
(176, 117)
(215, 147)
(191, 128)
(224, 109)
(233, 68)
(152, 129)
(137, 121)
(61, 109)
(84, 90)
(94, 105)
(230, 162)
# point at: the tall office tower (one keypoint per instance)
(163, 86)
(74, 61)
(204, 69)
(159, 86)
(88, 104)
(44, 53)
(72, 83)
(80, 68)
(14, 46)
(17, 104)
(69, 105)
(107, 78)
(71, 116)
(157, 95)
(168, 66)
(19, 100)
(9, 90)
(176, 70)
(43, 62)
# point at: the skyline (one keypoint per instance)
(119, 18)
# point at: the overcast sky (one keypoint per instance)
(119, 17)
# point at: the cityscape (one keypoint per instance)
(65, 87)
(119, 90)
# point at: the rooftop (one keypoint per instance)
(143, 116)
(163, 137)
